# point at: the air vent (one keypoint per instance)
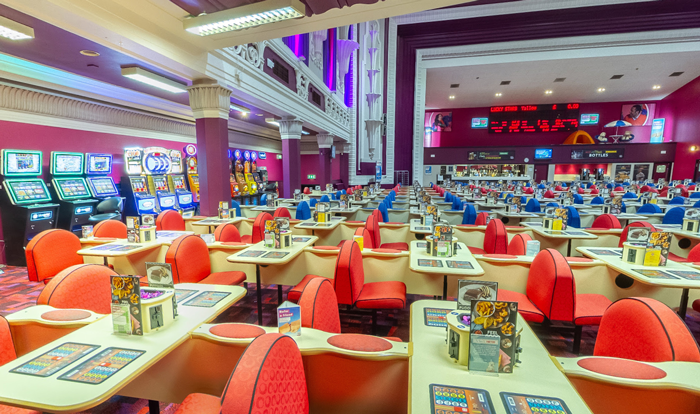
(505, 82)
(617, 76)
(454, 85)
(316, 98)
(676, 74)
(559, 80)
(281, 72)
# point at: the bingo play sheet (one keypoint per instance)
(56, 359)
(102, 366)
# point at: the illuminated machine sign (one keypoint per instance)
(491, 155)
(246, 155)
(543, 153)
(191, 150)
(66, 163)
(237, 154)
(597, 154)
(534, 118)
(19, 163)
(254, 156)
(176, 165)
(262, 155)
(156, 160)
(98, 163)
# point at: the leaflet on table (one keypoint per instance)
(657, 249)
(272, 234)
(638, 235)
(475, 290)
(563, 215)
(289, 319)
(496, 319)
(160, 275)
(102, 366)
(532, 248)
(126, 305)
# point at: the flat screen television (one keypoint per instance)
(543, 154)
(67, 163)
(590, 119)
(19, 163)
(480, 123)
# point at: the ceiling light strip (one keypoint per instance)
(139, 74)
(12, 30)
(244, 17)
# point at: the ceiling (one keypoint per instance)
(478, 84)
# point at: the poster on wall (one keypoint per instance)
(657, 130)
(640, 172)
(638, 114)
(622, 171)
(438, 121)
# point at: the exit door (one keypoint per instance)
(696, 176)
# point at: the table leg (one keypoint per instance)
(444, 287)
(153, 407)
(106, 261)
(568, 249)
(683, 308)
(279, 294)
(259, 293)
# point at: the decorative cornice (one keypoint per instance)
(290, 128)
(53, 105)
(324, 140)
(209, 101)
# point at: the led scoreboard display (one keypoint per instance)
(534, 118)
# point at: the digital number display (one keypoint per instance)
(534, 118)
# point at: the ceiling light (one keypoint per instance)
(452, 96)
(498, 94)
(305, 132)
(601, 89)
(272, 121)
(243, 17)
(617, 76)
(90, 53)
(15, 31)
(259, 115)
(656, 87)
(138, 74)
(240, 108)
(548, 92)
(505, 82)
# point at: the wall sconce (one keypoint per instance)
(694, 148)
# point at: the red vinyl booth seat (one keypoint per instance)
(307, 190)
(644, 329)
(189, 258)
(595, 191)
(227, 233)
(84, 286)
(319, 306)
(495, 239)
(373, 228)
(170, 220)
(51, 251)
(606, 221)
(258, 229)
(282, 212)
(518, 244)
(623, 235)
(110, 228)
(481, 219)
(8, 354)
(268, 378)
(549, 194)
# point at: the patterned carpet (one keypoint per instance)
(17, 293)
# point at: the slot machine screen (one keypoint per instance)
(179, 182)
(16, 163)
(73, 188)
(66, 163)
(103, 187)
(139, 185)
(161, 183)
(27, 191)
(99, 164)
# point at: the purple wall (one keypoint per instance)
(683, 126)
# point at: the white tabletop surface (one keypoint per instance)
(462, 255)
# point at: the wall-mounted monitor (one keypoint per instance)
(590, 119)
(480, 123)
(18, 163)
(543, 154)
(67, 163)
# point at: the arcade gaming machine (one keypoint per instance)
(138, 199)
(600, 174)
(178, 184)
(157, 164)
(256, 174)
(192, 175)
(74, 197)
(25, 205)
(585, 174)
(235, 189)
(98, 167)
(250, 180)
(240, 178)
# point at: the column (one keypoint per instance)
(210, 106)
(345, 164)
(290, 132)
(325, 142)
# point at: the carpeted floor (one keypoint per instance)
(17, 293)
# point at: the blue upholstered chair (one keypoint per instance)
(574, 219)
(630, 196)
(303, 211)
(389, 204)
(677, 201)
(469, 216)
(697, 204)
(263, 199)
(695, 195)
(456, 204)
(533, 206)
(541, 186)
(597, 201)
(674, 216)
(385, 212)
(552, 204)
(649, 209)
(234, 204)
(325, 199)
(312, 202)
(578, 199)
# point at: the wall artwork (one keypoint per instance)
(639, 114)
(439, 121)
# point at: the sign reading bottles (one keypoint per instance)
(585, 154)
(492, 155)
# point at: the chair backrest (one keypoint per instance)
(268, 378)
(694, 254)
(695, 195)
(532, 206)
(551, 287)
(263, 199)
(677, 201)
(469, 216)
(349, 273)
(313, 202)
(303, 211)
(325, 199)
(388, 202)
(496, 237)
(110, 205)
(549, 194)
(170, 220)
(384, 211)
(189, 258)
(51, 251)
(481, 218)
(595, 191)
(259, 227)
(367, 241)
(227, 232)
(697, 204)
(319, 306)
(282, 212)
(508, 196)
(235, 205)
(619, 188)
(456, 204)
(7, 345)
(372, 226)
(623, 235)
(644, 329)
(573, 219)
(558, 188)
(552, 204)
(649, 208)
(674, 216)
(578, 199)
(307, 190)
(518, 244)
(83, 286)
(606, 221)
(630, 195)
(110, 228)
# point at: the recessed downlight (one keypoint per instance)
(498, 94)
(452, 96)
(90, 53)
(601, 89)
(548, 92)
(656, 87)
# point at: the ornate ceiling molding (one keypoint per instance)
(209, 101)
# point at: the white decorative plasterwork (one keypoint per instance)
(53, 105)
(251, 53)
(324, 140)
(418, 119)
(316, 46)
(290, 127)
(209, 101)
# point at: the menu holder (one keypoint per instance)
(498, 319)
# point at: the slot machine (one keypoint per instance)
(138, 199)
(240, 178)
(192, 175)
(75, 201)
(256, 174)
(585, 174)
(25, 203)
(235, 189)
(249, 180)
(600, 174)
(98, 168)
(156, 166)
(178, 185)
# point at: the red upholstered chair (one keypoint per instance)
(227, 233)
(319, 306)
(481, 219)
(307, 190)
(549, 194)
(558, 188)
(696, 305)
(258, 229)
(529, 190)
(8, 354)
(694, 255)
(83, 286)
(51, 251)
(268, 378)
(551, 295)
(581, 191)
(110, 228)
(189, 258)
(495, 239)
(595, 191)
(373, 227)
(282, 212)
(606, 221)
(366, 238)
(518, 244)
(170, 220)
(623, 235)
(618, 188)
(644, 329)
(645, 189)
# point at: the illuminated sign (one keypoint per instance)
(597, 154)
(534, 118)
(191, 150)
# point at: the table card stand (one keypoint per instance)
(691, 220)
(322, 213)
(441, 243)
(132, 229)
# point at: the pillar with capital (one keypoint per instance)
(210, 104)
(290, 132)
(344, 163)
(325, 142)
